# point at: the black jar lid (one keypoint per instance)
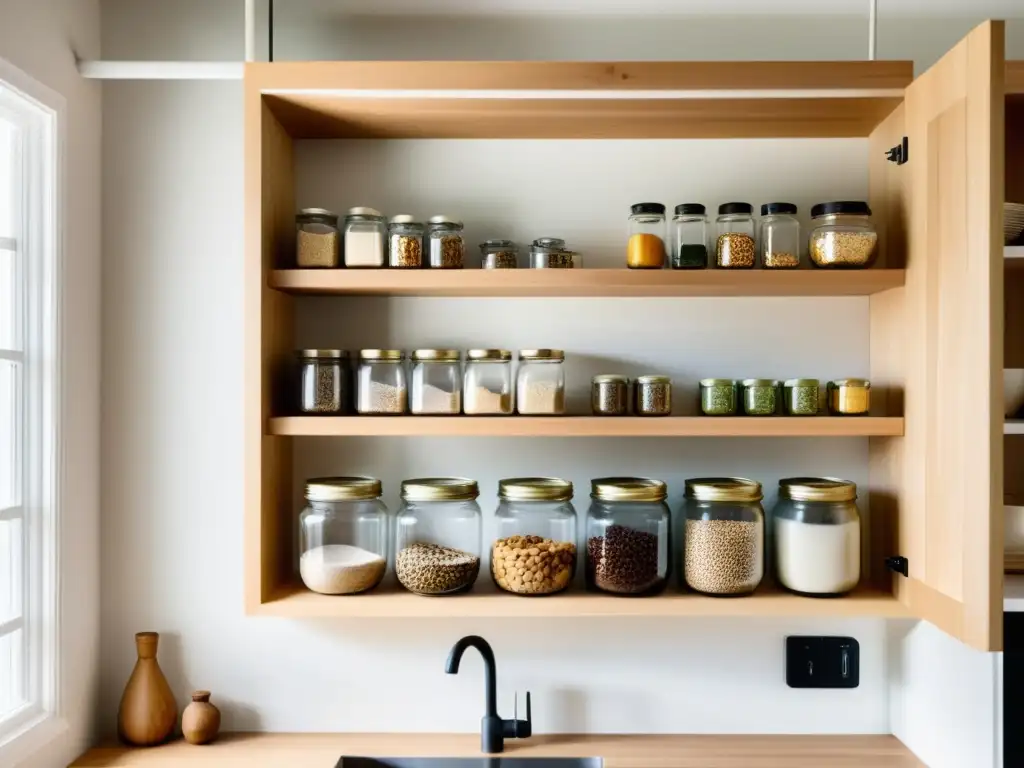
(648, 208)
(770, 209)
(684, 209)
(849, 207)
(727, 208)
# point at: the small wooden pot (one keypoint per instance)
(200, 721)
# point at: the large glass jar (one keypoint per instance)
(842, 235)
(627, 536)
(817, 536)
(540, 382)
(437, 535)
(724, 536)
(405, 242)
(343, 535)
(780, 236)
(446, 247)
(323, 381)
(316, 238)
(487, 383)
(436, 386)
(535, 524)
(689, 237)
(365, 238)
(380, 382)
(734, 244)
(646, 248)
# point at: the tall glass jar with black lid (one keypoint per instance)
(405, 242)
(842, 235)
(627, 536)
(446, 248)
(646, 247)
(780, 236)
(323, 381)
(734, 243)
(535, 524)
(689, 237)
(437, 535)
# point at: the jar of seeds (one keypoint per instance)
(760, 397)
(316, 242)
(380, 382)
(364, 239)
(849, 397)
(627, 536)
(652, 396)
(718, 397)
(540, 382)
(446, 248)
(734, 247)
(405, 242)
(842, 235)
(436, 386)
(487, 383)
(498, 254)
(323, 386)
(800, 397)
(724, 536)
(689, 237)
(437, 536)
(780, 236)
(609, 395)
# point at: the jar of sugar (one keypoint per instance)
(364, 239)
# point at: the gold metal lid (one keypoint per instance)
(653, 379)
(859, 383)
(759, 383)
(534, 489)
(628, 489)
(440, 489)
(488, 354)
(436, 355)
(541, 354)
(817, 489)
(611, 378)
(342, 488)
(717, 383)
(723, 489)
(391, 355)
(322, 354)
(802, 383)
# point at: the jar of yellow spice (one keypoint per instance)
(646, 248)
(849, 397)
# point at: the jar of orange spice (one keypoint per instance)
(646, 248)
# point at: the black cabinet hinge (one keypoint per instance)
(898, 564)
(900, 153)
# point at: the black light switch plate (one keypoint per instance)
(822, 662)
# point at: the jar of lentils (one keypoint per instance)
(780, 236)
(540, 382)
(734, 246)
(652, 396)
(436, 382)
(627, 536)
(380, 382)
(718, 397)
(535, 523)
(842, 235)
(323, 386)
(487, 384)
(316, 243)
(609, 395)
(724, 536)
(498, 254)
(446, 248)
(800, 397)
(760, 397)
(405, 242)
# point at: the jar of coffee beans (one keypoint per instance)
(535, 549)
(437, 536)
(627, 536)
(323, 381)
(724, 535)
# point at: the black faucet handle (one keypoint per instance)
(524, 728)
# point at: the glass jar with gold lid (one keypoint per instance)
(343, 535)
(627, 536)
(437, 535)
(816, 530)
(540, 382)
(535, 525)
(487, 383)
(724, 535)
(849, 397)
(381, 382)
(436, 386)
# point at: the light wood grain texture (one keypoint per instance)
(585, 282)
(1015, 77)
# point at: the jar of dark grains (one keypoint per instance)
(498, 254)
(437, 535)
(780, 236)
(718, 397)
(800, 397)
(652, 396)
(627, 536)
(724, 536)
(609, 395)
(760, 397)
(324, 376)
(316, 240)
(689, 236)
(842, 235)
(446, 249)
(849, 397)
(405, 242)
(734, 246)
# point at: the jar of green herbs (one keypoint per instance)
(760, 397)
(800, 397)
(718, 397)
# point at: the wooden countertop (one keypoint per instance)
(322, 750)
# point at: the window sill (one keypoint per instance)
(39, 731)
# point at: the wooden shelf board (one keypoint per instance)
(587, 426)
(1013, 427)
(586, 282)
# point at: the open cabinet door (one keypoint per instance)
(950, 513)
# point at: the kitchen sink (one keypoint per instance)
(497, 761)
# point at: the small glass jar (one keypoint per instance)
(436, 386)
(646, 247)
(316, 239)
(343, 535)
(689, 237)
(609, 395)
(323, 386)
(724, 536)
(760, 397)
(405, 242)
(498, 254)
(842, 235)
(380, 382)
(652, 396)
(780, 236)
(800, 397)
(535, 525)
(627, 536)
(487, 383)
(849, 397)
(734, 227)
(551, 253)
(437, 536)
(446, 248)
(718, 397)
(540, 382)
(816, 530)
(365, 238)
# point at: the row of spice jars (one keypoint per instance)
(615, 395)
(344, 532)
(842, 235)
(793, 397)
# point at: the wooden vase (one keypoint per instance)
(148, 712)
(201, 720)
